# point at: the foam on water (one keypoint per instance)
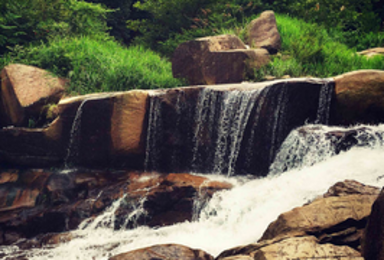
(235, 217)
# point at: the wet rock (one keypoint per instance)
(164, 252)
(306, 247)
(373, 239)
(262, 33)
(359, 98)
(232, 66)
(25, 91)
(189, 56)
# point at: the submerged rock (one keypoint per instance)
(164, 252)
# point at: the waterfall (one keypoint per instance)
(238, 216)
(237, 131)
(311, 144)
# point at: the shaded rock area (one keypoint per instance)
(330, 227)
(37, 202)
(164, 252)
(359, 98)
(26, 94)
(262, 33)
(373, 239)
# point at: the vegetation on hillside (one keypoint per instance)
(110, 45)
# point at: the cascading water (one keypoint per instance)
(230, 131)
(312, 158)
(237, 216)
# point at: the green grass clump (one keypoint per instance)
(98, 66)
(310, 50)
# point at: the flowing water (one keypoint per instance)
(238, 216)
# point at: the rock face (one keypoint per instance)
(232, 66)
(330, 227)
(164, 252)
(373, 240)
(262, 33)
(36, 202)
(25, 91)
(189, 56)
(359, 98)
(372, 52)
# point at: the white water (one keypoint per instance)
(232, 218)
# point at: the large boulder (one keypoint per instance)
(233, 65)
(25, 93)
(300, 248)
(189, 56)
(359, 98)
(262, 33)
(164, 252)
(331, 214)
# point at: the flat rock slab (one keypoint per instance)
(25, 90)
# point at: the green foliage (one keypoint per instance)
(25, 22)
(309, 50)
(92, 65)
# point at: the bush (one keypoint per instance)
(98, 66)
(26, 22)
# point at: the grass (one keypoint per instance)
(98, 66)
(310, 50)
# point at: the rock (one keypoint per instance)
(164, 252)
(232, 66)
(304, 248)
(115, 137)
(349, 187)
(40, 202)
(372, 52)
(25, 91)
(373, 239)
(359, 98)
(324, 217)
(262, 33)
(189, 56)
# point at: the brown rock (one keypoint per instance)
(164, 252)
(349, 187)
(262, 33)
(232, 66)
(372, 52)
(189, 56)
(25, 90)
(373, 239)
(306, 247)
(359, 98)
(322, 214)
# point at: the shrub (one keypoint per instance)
(98, 66)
